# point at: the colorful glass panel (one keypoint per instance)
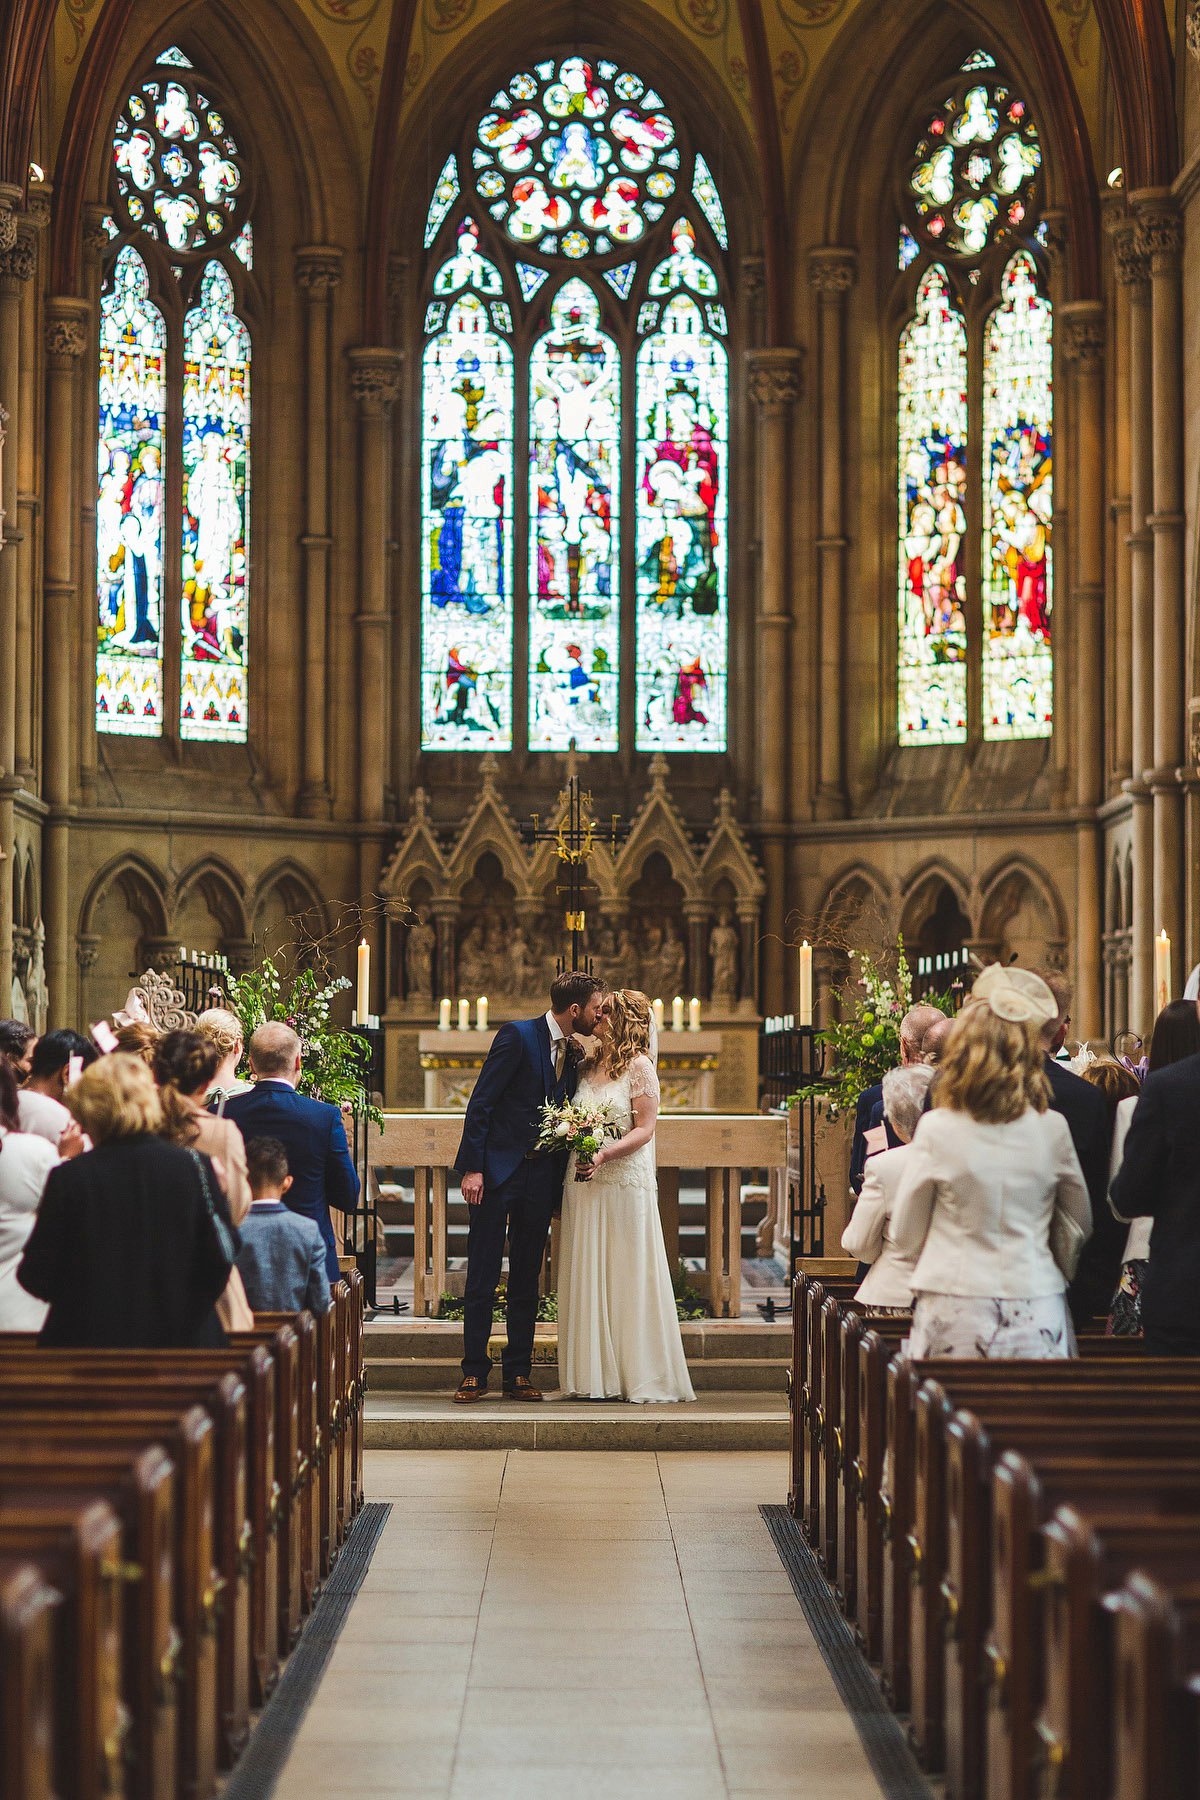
(974, 173)
(574, 501)
(129, 505)
(682, 621)
(179, 174)
(445, 194)
(216, 495)
(530, 279)
(467, 468)
(1018, 505)
(620, 279)
(932, 683)
(708, 199)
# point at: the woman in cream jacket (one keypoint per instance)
(989, 1169)
(887, 1286)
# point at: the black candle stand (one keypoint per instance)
(792, 1057)
(362, 1227)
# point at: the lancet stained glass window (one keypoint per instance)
(576, 246)
(129, 505)
(932, 680)
(1018, 504)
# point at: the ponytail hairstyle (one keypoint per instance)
(184, 1062)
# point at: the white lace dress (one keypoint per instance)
(618, 1330)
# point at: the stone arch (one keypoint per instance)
(209, 908)
(287, 913)
(1022, 916)
(855, 914)
(935, 919)
(122, 932)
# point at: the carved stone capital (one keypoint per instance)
(67, 324)
(318, 270)
(397, 280)
(95, 230)
(10, 197)
(774, 377)
(37, 205)
(754, 276)
(1160, 228)
(832, 271)
(1130, 262)
(87, 953)
(1082, 325)
(375, 375)
(1191, 29)
(1055, 233)
(19, 262)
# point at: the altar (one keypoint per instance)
(688, 1064)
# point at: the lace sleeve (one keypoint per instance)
(642, 1078)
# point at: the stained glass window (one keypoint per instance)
(216, 474)
(932, 686)
(466, 498)
(682, 627)
(444, 195)
(974, 173)
(1018, 503)
(574, 505)
(709, 199)
(129, 505)
(180, 177)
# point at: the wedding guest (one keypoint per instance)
(933, 1040)
(1082, 1106)
(989, 1169)
(133, 1243)
(225, 1029)
(888, 1283)
(282, 1258)
(25, 1164)
(16, 1043)
(138, 1038)
(868, 1114)
(40, 1103)
(1156, 1189)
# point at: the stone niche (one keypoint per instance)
(667, 910)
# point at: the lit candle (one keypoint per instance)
(364, 982)
(658, 1015)
(1162, 969)
(444, 1016)
(481, 1013)
(694, 1015)
(804, 1015)
(464, 1015)
(677, 1014)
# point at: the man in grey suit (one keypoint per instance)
(282, 1258)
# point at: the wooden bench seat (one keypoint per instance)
(1156, 1683)
(30, 1683)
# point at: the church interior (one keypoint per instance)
(706, 491)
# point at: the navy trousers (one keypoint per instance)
(522, 1208)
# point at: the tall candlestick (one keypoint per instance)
(658, 1015)
(677, 1013)
(464, 1015)
(481, 1013)
(444, 1016)
(804, 1012)
(1162, 969)
(364, 982)
(694, 1015)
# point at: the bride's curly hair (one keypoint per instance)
(629, 1030)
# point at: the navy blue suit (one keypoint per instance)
(520, 1192)
(318, 1158)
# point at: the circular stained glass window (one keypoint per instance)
(576, 157)
(179, 174)
(974, 173)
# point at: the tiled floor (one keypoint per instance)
(576, 1626)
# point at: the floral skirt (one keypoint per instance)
(1125, 1313)
(970, 1325)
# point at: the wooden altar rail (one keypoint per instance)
(722, 1144)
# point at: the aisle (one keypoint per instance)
(576, 1626)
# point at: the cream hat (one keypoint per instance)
(1017, 995)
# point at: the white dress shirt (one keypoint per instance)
(888, 1282)
(1137, 1244)
(976, 1202)
(40, 1113)
(25, 1163)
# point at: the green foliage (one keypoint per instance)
(689, 1301)
(335, 1061)
(864, 1044)
(451, 1306)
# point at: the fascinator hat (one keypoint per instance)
(1017, 995)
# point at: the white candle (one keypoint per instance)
(694, 1014)
(464, 1015)
(1162, 969)
(481, 1013)
(364, 982)
(804, 1014)
(444, 1016)
(677, 1014)
(658, 1015)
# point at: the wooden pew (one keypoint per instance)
(30, 1682)
(1155, 1679)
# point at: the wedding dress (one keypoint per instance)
(618, 1330)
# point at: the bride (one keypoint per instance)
(618, 1334)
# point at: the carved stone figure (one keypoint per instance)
(723, 949)
(422, 942)
(473, 963)
(673, 962)
(625, 968)
(524, 977)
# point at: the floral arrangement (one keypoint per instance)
(335, 1061)
(569, 1125)
(864, 1045)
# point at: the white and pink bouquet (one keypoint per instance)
(573, 1125)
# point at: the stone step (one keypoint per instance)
(714, 1421)
(425, 1374)
(747, 1339)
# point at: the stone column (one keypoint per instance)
(318, 272)
(95, 240)
(1160, 237)
(67, 322)
(775, 386)
(1082, 325)
(832, 273)
(698, 914)
(748, 925)
(36, 220)
(16, 266)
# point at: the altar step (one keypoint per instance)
(715, 1420)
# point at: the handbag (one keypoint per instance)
(1067, 1238)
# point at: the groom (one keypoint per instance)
(508, 1185)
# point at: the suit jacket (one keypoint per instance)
(1159, 1178)
(889, 1274)
(868, 1100)
(1086, 1112)
(516, 1079)
(282, 1260)
(318, 1156)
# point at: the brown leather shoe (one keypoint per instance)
(522, 1389)
(470, 1389)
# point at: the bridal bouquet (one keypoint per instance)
(571, 1125)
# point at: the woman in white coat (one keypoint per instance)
(25, 1162)
(991, 1184)
(887, 1286)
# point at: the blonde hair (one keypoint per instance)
(223, 1027)
(992, 1067)
(138, 1038)
(115, 1098)
(629, 1033)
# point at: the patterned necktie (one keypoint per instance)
(560, 1057)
